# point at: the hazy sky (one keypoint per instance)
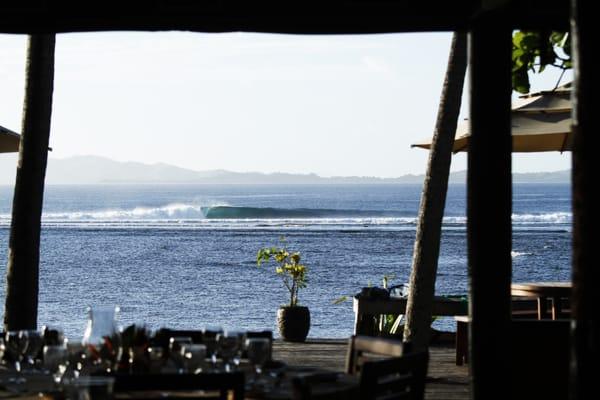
(333, 105)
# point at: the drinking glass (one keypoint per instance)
(56, 359)
(15, 347)
(156, 356)
(258, 353)
(176, 346)
(34, 341)
(209, 338)
(229, 344)
(75, 359)
(195, 357)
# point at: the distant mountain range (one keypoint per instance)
(95, 170)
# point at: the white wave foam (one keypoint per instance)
(548, 218)
(182, 215)
(168, 212)
(515, 254)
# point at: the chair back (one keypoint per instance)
(366, 348)
(387, 368)
(395, 378)
(267, 334)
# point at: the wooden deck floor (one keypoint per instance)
(446, 381)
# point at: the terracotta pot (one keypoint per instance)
(293, 323)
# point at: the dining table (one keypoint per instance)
(276, 384)
(557, 292)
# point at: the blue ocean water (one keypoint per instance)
(183, 256)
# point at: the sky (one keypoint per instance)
(331, 105)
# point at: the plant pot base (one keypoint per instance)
(293, 323)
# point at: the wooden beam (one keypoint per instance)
(294, 16)
(489, 199)
(586, 274)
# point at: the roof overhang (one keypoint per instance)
(298, 17)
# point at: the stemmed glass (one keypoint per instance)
(258, 350)
(33, 344)
(209, 338)
(15, 345)
(176, 351)
(229, 345)
(194, 356)
(56, 359)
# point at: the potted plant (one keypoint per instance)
(293, 320)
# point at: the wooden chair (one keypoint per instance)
(267, 334)
(367, 348)
(395, 378)
(387, 368)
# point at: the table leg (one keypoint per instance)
(542, 307)
(557, 311)
(462, 341)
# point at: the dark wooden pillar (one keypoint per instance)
(22, 272)
(586, 202)
(417, 328)
(489, 201)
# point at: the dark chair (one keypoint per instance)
(367, 348)
(259, 334)
(388, 369)
(395, 378)
(303, 387)
(223, 385)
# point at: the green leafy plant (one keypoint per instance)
(289, 268)
(533, 51)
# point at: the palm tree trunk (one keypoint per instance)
(22, 272)
(433, 199)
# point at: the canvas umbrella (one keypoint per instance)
(540, 122)
(9, 140)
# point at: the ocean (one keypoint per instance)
(184, 256)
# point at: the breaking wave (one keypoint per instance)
(223, 216)
(229, 212)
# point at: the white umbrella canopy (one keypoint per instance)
(540, 122)
(9, 140)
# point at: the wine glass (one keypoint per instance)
(194, 356)
(237, 357)
(56, 359)
(156, 355)
(209, 338)
(34, 341)
(258, 350)
(229, 344)
(176, 354)
(15, 347)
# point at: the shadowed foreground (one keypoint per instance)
(446, 381)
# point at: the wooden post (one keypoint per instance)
(22, 272)
(585, 301)
(417, 329)
(489, 200)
